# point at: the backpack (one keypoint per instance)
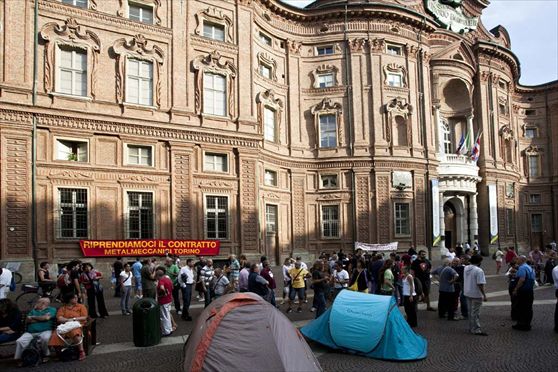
(13, 284)
(418, 287)
(32, 354)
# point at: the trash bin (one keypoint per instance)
(147, 322)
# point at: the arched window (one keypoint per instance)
(447, 137)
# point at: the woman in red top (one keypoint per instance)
(90, 280)
(164, 297)
(510, 255)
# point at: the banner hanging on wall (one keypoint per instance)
(376, 247)
(493, 210)
(149, 247)
(436, 238)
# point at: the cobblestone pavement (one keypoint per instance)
(450, 347)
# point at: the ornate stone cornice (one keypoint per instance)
(533, 150)
(506, 133)
(377, 45)
(394, 68)
(269, 61)
(324, 69)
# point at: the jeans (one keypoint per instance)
(4, 337)
(525, 308)
(474, 305)
(186, 299)
(464, 305)
(125, 293)
(272, 297)
(176, 297)
(207, 297)
(320, 301)
(410, 310)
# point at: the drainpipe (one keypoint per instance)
(34, 139)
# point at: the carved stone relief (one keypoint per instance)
(217, 16)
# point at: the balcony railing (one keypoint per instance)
(453, 165)
(457, 159)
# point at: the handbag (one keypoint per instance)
(64, 328)
(354, 286)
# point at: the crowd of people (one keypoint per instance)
(407, 277)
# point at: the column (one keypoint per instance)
(437, 120)
(442, 243)
(474, 228)
(471, 133)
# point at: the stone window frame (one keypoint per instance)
(72, 35)
(268, 61)
(327, 107)
(215, 16)
(533, 151)
(339, 221)
(124, 8)
(395, 69)
(398, 107)
(393, 45)
(216, 64)
(91, 4)
(266, 99)
(530, 126)
(322, 70)
(268, 170)
(217, 152)
(507, 142)
(503, 102)
(326, 174)
(57, 211)
(409, 218)
(228, 214)
(137, 48)
(126, 159)
(126, 211)
(264, 38)
(57, 139)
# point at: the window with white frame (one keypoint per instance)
(448, 146)
(270, 130)
(213, 162)
(329, 181)
(216, 217)
(330, 221)
(270, 218)
(140, 215)
(534, 169)
(270, 178)
(71, 150)
(530, 132)
(394, 80)
(265, 39)
(394, 50)
(72, 71)
(140, 155)
(78, 3)
(140, 13)
(72, 213)
(324, 50)
(214, 31)
(536, 223)
(328, 130)
(534, 198)
(265, 70)
(402, 221)
(214, 94)
(325, 80)
(139, 82)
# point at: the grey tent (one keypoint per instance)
(241, 331)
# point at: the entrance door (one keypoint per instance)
(450, 218)
(271, 233)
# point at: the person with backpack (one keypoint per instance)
(40, 323)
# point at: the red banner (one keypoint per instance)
(149, 247)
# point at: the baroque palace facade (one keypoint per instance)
(271, 128)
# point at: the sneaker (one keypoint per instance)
(201, 300)
(179, 312)
(299, 310)
(128, 312)
(296, 301)
(312, 309)
(197, 297)
(282, 302)
(459, 317)
(289, 310)
(305, 301)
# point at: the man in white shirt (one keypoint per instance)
(555, 277)
(186, 282)
(5, 281)
(340, 278)
(473, 289)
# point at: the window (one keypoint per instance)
(265, 71)
(270, 218)
(270, 132)
(536, 223)
(140, 13)
(73, 213)
(140, 215)
(265, 39)
(330, 221)
(328, 131)
(78, 3)
(139, 82)
(214, 31)
(530, 112)
(533, 166)
(509, 221)
(270, 178)
(329, 181)
(402, 226)
(72, 71)
(394, 80)
(140, 155)
(530, 132)
(447, 138)
(324, 50)
(215, 162)
(502, 84)
(71, 150)
(325, 80)
(503, 108)
(393, 50)
(534, 198)
(214, 94)
(216, 215)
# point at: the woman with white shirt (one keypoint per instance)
(125, 278)
(409, 297)
(287, 265)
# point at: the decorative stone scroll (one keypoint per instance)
(324, 69)
(398, 107)
(267, 99)
(377, 45)
(73, 35)
(123, 9)
(325, 107)
(216, 16)
(266, 60)
(394, 68)
(294, 46)
(137, 48)
(214, 63)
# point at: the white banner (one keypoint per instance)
(376, 247)
(435, 212)
(493, 210)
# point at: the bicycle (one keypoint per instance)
(31, 294)
(14, 268)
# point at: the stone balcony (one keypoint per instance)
(458, 174)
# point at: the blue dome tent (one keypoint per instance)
(369, 325)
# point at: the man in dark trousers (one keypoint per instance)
(523, 292)
(420, 269)
(117, 267)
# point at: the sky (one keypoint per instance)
(533, 29)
